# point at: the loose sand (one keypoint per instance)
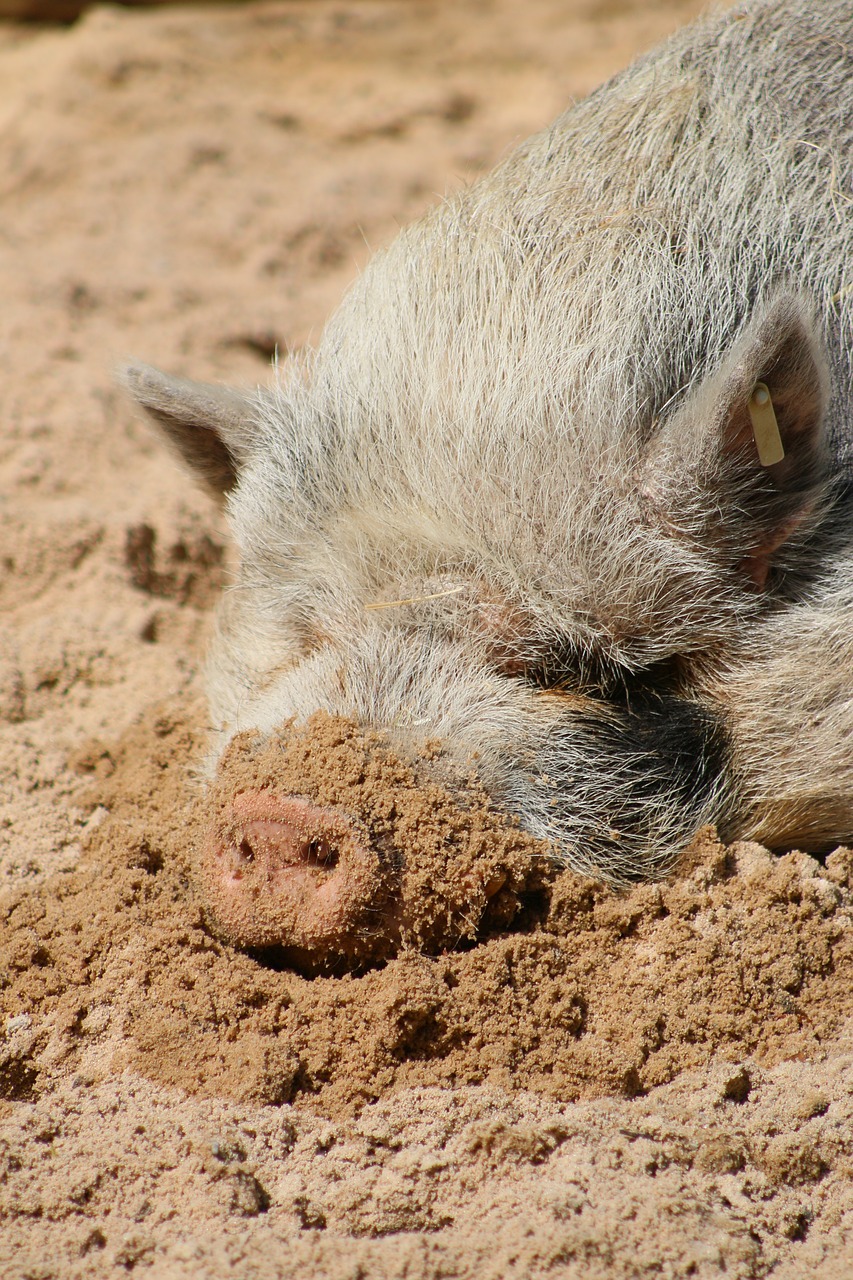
(587, 1084)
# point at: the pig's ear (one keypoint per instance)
(209, 427)
(742, 462)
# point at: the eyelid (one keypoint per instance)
(565, 671)
(559, 668)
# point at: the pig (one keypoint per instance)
(565, 488)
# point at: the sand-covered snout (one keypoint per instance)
(323, 842)
(278, 870)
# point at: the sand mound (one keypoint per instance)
(587, 993)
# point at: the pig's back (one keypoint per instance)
(548, 317)
(716, 168)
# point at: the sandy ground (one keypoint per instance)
(659, 1084)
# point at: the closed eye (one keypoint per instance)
(561, 667)
(565, 669)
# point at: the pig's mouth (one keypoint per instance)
(281, 871)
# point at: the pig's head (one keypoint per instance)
(453, 529)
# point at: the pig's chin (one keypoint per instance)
(279, 871)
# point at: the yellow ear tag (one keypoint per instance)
(765, 428)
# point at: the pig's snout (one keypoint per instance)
(281, 871)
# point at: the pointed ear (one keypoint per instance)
(703, 475)
(210, 428)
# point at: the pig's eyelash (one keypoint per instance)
(567, 669)
(563, 666)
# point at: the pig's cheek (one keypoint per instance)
(283, 872)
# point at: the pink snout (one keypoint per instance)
(281, 871)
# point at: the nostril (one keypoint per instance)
(320, 852)
(245, 852)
